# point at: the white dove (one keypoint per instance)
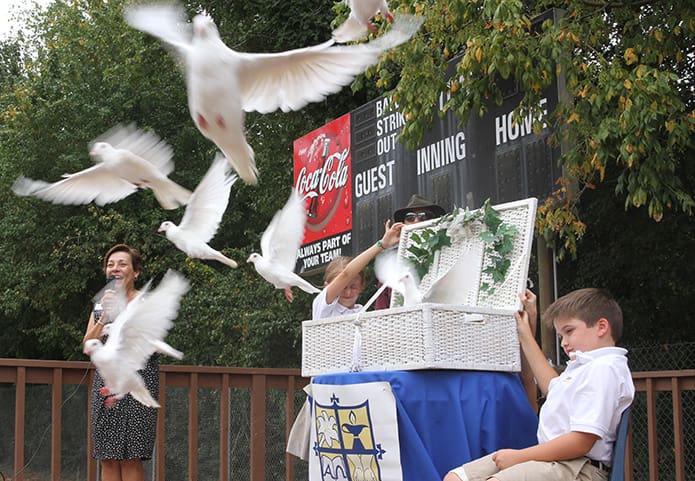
(134, 336)
(203, 214)
(359, 20)
(222, 83)
(157, 345)
(130, 158)
(279, 244)
(397, 274)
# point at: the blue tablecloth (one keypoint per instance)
(448, 417)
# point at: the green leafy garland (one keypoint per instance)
(497, 236)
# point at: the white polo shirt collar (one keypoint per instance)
(584, 357)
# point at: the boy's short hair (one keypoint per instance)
(588, 305)
(336, 266)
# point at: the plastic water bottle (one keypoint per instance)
(98, 311)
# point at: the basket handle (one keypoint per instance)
(357, 346)
(372, 299)
(473, 318)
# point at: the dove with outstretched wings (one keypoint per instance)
(137, 333)
(203, 214)
(279, 244)
(127, 159)
(223, 84)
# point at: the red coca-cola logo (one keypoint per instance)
(322, 181)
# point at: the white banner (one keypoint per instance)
(354, 433)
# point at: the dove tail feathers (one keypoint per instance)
(402, 29)
(164, 348)
(171, 195)
(350, 30)
(242, 160)
(308, 287)
(225, 260)
(143, 396)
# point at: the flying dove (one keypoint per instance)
(134, 336)
(279, 244)
(399, 275)
(129, 159)
(223, 83)
(203, 214)
(359, 20)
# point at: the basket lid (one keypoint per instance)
(473, 258)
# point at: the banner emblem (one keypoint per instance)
(345, 437)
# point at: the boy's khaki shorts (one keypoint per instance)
(574, 470)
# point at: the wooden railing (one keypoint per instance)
(650, 383)
(19, 374)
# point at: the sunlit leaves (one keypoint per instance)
(630, 101)
(630, 56)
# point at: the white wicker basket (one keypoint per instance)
(478, 332)
(418, 337)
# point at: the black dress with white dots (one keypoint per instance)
(126, 430)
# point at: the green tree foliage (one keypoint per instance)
(628, 71)
(646, 265)
(626, 126)
(80, 71)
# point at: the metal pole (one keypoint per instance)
(546, 295)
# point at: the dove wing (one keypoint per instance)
(114, 329)
(208, 202)
(147, 318)
(109, 365)
(397, 274)
(145, 145)
(167, 22)
(387, 268)
(96, 184)
(285, 233)
(290, 80)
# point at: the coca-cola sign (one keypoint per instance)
(323, 176)
(331, 175)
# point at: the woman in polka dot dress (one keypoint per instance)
(123, 435)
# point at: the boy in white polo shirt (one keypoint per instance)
(579, 419)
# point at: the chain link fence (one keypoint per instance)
(662, 357)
